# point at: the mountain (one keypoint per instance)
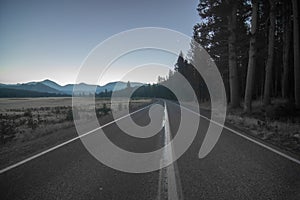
(10, 92)
(51, 87)
(87, 88)
(37, 87)
(51, 84)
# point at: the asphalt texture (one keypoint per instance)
(235, 169)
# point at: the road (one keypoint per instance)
(237, 168)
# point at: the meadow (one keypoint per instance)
(30, 125)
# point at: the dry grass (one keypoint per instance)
(31, 125)
(276, 124)
(30, 118)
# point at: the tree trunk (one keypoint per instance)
(252, 59)
(296, 52)
(270, 59)
(286, 51)
(233, 72)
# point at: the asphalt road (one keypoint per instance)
(235, 169)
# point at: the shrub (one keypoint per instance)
(33, 124)
(7, 130)
(71, 114)
(28, 113)
(57, 110)
(102, 111)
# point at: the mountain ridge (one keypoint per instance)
(51, 87)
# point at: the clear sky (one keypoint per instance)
(42, 39)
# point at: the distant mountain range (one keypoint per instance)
(52, 88)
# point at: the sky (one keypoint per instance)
(41, 39)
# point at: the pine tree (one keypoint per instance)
(219, 36)
(252, 58)
(270, 58)
(296, 52)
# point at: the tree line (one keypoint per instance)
(255, 45)
(144, 91)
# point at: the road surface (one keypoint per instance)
(237, 168)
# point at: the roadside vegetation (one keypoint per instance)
(277, 124)
(18, 125)
(255, 45)
(45, 122)
(23, 124)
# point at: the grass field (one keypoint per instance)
(29, 125)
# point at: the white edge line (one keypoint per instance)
(67, 142)
(244, 136)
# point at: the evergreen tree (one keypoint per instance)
(252, 58)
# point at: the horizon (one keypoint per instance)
(50, 40)
(47, 79)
